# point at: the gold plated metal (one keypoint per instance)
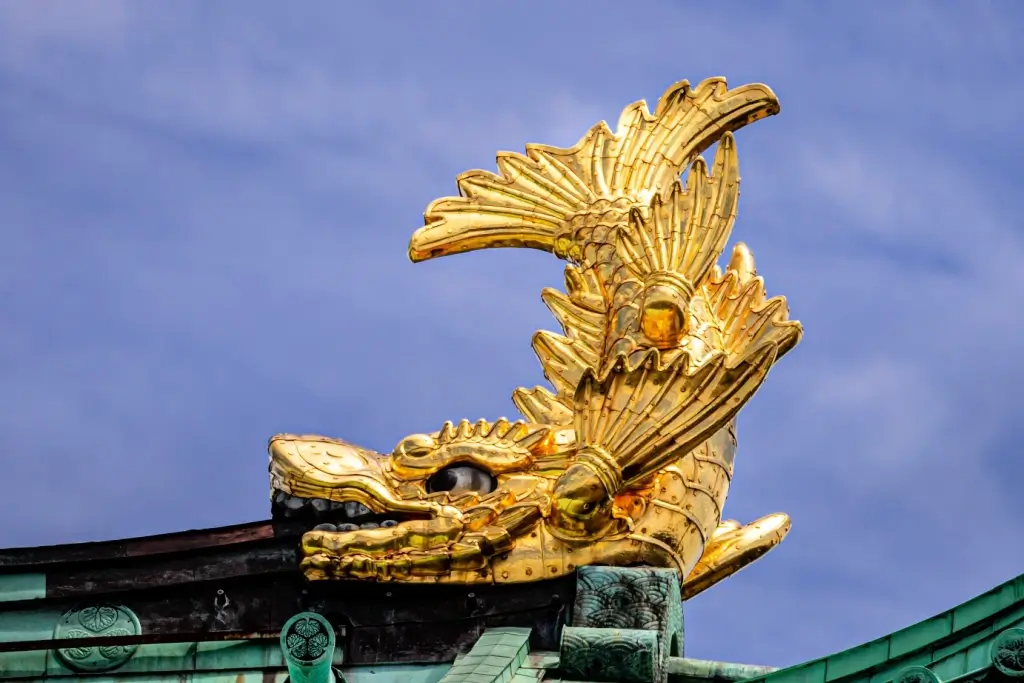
(629, 459)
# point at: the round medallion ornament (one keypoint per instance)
(916, 674)
(103, 620)
(308, 638)
(1008, 652)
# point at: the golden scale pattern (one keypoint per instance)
(629, 459)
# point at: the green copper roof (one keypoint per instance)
(604, 642)
(954, 643)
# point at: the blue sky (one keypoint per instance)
(204, 210)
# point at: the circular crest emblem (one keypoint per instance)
(101, 620)
(1008, 652)
(916, 674)
(308, 638)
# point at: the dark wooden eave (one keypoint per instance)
(243, 581)
(38, 558)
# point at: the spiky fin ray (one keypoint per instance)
(579, 324)
(747, 317)
(562, 365)
(647, 419)
(541, 406)
(685, 230)
(518, 434)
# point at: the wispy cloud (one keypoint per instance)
(204, 213)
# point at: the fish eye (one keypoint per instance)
(456, 479)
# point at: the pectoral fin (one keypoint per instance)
(732, 547)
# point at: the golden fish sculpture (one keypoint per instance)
(628, 460)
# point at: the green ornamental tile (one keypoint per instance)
(984, 606)
(858, 659)
(496, 657)
(920, 635)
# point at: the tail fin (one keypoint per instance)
(531, 201)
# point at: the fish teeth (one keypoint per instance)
(356, 510)
(340, 515)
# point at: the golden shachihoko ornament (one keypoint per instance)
(628, 460)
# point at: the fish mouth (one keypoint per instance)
(337, 486)
(320, 514)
